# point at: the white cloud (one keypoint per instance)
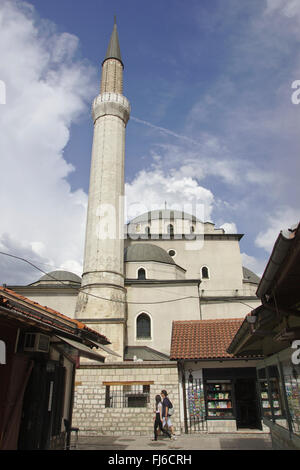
(288, 8)
(47, 90)
(151, 189)
(229, 227)
(282, 219)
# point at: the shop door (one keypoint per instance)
(35, 417)
(42, 406)
(247, 405)
(195, 406)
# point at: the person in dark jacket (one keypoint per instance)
(165, 409)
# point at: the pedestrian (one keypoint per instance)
(158, 418)
(166, 405)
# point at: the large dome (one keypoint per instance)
(163, 214)
(142, 252)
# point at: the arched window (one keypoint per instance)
(147, 230)
(143, 326)
(170, 229)
(204, 272)
(141, 274)
(192, 229)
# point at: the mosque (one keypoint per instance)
(169, 291)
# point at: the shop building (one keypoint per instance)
(273, 330)
(40, 349)
(218, 391)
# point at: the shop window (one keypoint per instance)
(143, 326)
(291, 378)
(127, 396)
(271, 395)
(219, 399)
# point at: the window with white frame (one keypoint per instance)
(204, 272)
(141, 274)
(143, 326)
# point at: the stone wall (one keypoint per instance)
(94, 419)
(221, 426)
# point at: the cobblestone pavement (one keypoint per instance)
(228, 441)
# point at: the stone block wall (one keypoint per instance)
(221, 426)
(94, 419)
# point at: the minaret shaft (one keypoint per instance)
(102, 298)
(112, 77)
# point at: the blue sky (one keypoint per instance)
(212, 118)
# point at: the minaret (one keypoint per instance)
(102, 297)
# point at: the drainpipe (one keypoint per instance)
(181, 366)
(199, 298)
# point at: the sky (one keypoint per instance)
(214, 118)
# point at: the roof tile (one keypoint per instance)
(8, 293)
(203, 339)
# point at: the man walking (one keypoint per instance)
(166, 405)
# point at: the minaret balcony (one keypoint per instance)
(113, 104)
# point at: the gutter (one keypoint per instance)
(278, 255)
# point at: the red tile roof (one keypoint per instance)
(7, 294)
(203, 339)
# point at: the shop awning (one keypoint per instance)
(106, 349)
(82, 349)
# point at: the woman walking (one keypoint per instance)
(158, 418)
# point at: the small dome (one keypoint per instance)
(147, 252)
(250, 276)
(61, 276)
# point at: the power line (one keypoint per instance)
(88, 293)
(111, 300)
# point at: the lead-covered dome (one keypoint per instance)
(59, 278)
(164, 214)
(142, 252)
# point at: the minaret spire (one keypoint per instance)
(112, 65)
(113, 50)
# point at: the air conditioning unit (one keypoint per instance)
(36, 342)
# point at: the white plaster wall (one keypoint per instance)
(227, 309)
(222, 257)
(154, 270)
(180, 226)
(55, 299)
(162, 315)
